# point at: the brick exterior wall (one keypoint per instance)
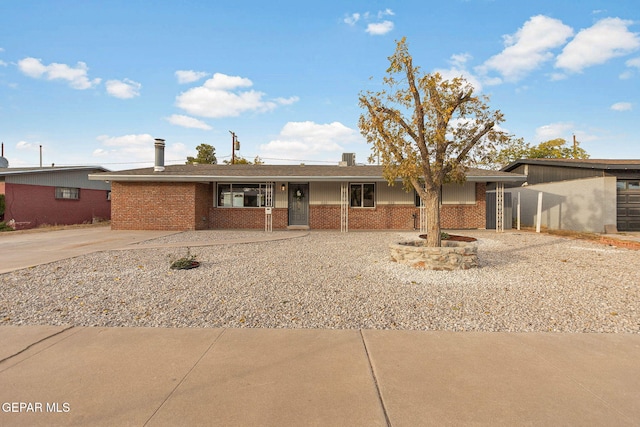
(324, 217)
(35, 205)
(2, 192)
(189, 206)
(160, 205)
(466, 216)
(382, 217)
(400, 217)
(250, 218)
(203, 203)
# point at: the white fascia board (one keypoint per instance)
(202, 178)
(160, 177)
(497, 178)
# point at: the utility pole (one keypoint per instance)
(235, 145)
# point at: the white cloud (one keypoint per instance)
(132, 141)
(27, 146)
(190, 76)
(606, 39)
(458, 69)
(631, 63)
(373, 28)
(634, 62)
(287, 101)
(222, 96)
(75, 76)
(626, 75)
(622, 106)
(308, 140)
(554, 77)
(379, 28)
(528, 48)
(460, 59)
(135, 150)
(123, 89)
(187, 122)
(553, 131)
(2, 63)
(352, 19)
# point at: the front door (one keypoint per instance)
(298, 204)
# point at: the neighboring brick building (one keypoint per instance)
(53, 196)
(195, 197)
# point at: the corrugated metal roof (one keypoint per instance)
(55, 177)
(221, 173)
(24, 171)
(604, 164)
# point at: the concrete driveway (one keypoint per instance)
(25, 249)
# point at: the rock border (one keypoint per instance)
(452, 255)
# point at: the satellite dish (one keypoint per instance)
(4, 163)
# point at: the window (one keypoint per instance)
(108, 194)
(243, 195)
(67, 193)
(362, 195)
(627, 185)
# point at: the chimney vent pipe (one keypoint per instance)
(159, 163)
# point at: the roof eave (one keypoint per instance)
(571, 164)
(498, 178)
(9, 171)
(160, 177)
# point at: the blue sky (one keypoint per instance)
(94, 82)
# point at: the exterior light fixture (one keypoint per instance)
(283, 187)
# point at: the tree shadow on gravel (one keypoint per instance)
(504, 255)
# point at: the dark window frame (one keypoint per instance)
(254, 195)
(361, 203)
(67, 193)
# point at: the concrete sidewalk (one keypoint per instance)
(278, 377)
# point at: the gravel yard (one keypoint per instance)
(526, 282)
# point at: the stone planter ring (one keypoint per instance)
(452, 255)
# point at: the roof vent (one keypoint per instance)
(4, 163)
(159, 164)
(349, 158)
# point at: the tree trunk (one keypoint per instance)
(432, 209)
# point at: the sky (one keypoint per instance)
(95, 82)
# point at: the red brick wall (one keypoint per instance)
(466, 216)
(324, 217)
(158, 205)
(189, 206)
(251, 218)
(382, 217)
(35, 205)
(203, 202)
(400, 217)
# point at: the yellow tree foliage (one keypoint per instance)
(552, 149)
(423, 129)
